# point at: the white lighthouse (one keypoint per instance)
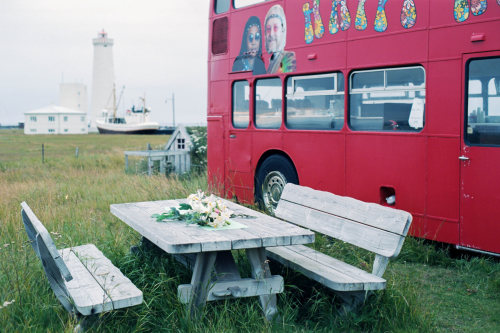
(103, 77)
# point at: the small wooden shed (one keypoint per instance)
(179, 150)
(174, 157)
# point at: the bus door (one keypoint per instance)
(215, 140)
(480, 154)
(240, 177)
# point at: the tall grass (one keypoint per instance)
(428, 289)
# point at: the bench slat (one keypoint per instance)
(377, 216)
(88, 296)
(372, 239)
(98, 285)
(117, 286)
(324, 269)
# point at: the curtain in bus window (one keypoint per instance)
(387, 100)
(315, 102)
(268, 103)
(241, 109)
(483, 102)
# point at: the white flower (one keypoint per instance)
(7, 303)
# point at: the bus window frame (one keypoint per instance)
(254, 87)
(250, 93)
(466, 139)
(357, 91)
(332, 92)
(255, 2)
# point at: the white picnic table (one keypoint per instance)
(215, 272)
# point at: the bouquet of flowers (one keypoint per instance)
(200, 209)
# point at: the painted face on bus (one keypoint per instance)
(274, 34)
(253, 40)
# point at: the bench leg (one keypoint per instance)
(260, 269)
(351, 300)
(85, 323)
(200, 281)
(145, 245)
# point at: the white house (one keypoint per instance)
(55, 119)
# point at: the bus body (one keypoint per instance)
(393, 102)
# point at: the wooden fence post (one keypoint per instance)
(76, 152)
(43, 153)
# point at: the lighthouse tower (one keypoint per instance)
(103, 77)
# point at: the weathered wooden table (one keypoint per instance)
(215, 273)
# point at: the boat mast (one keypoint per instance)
(114, 101)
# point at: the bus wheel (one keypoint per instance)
(272, 176)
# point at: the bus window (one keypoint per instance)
(241, 109)
(315, 102)
(219, 36)
(387, 99)
(268, 103)
(483, 102)
(221, 6)
(244, 3)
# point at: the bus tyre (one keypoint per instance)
(272, 176)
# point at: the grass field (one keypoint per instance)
(429, 289)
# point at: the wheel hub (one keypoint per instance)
(272, 188)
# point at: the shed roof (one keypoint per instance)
(55, 109)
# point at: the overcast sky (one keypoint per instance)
(160, 48)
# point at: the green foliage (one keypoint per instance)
(199, 150)
(429, 288)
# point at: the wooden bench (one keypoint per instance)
(83, 279)
(370, 226)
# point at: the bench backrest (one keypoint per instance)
(370, 226)
(53, 265)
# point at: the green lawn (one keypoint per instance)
(428, 290)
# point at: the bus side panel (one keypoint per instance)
(219, 68)
(378, 163)
(443, 99)
(322, 58)
(388, 49)
(215, 153)
(459, 38)
(442, 199)
(319, 159)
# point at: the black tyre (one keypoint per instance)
(271, 178)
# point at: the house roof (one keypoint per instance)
(55, 109)
(180, 132)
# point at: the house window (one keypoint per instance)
(33, 130)
(65, 130)
(65, 118)
(33, 119)
(82, 119)
(52, 118)
(181, 143)
(51, 130)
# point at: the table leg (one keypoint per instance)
(260, 270)
(200, 281)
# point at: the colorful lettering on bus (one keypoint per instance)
(394, 102)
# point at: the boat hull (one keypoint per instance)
(141, 128)
(139, 131)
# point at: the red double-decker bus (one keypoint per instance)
(388, 101)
